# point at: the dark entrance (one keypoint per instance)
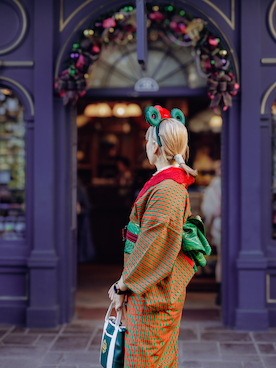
(112, 168)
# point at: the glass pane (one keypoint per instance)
(12, 167)
(118, 67)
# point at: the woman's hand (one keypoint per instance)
(116, 298)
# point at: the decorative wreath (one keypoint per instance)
(174, 25)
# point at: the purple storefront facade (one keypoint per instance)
(38, 275)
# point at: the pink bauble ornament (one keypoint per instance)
(213, 41)
(173, 25)
(81, 61)
(224, 108)
(156, 16)
(236, 86)
(109, 23)
(95, 49)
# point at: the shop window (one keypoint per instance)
(12, 167)
(169, 67)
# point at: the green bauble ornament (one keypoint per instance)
(72, 71)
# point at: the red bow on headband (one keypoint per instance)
(163, 112)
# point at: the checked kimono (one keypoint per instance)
(157, 271)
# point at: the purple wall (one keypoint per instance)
(47, 258)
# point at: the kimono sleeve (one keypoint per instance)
(159, 240)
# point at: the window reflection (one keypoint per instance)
(12, 167)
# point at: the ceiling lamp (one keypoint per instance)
(101, 110)
(134, 110)
(104, 110)
(120, 110)
(215, 123)
(91, 110)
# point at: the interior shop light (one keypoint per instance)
(215, 122)
(134, 110)
(6, 92)
(120, 110)
(91, 110)
(82, 120)
(101, 110)
(104, 110)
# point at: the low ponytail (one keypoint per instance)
(181, 162)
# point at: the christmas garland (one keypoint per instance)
(176, 26)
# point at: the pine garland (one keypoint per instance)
(174, 25)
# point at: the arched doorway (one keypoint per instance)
(127, 90)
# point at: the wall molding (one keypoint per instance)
(270, 20)
(268, 298)
(266, 61)
(22, 89)
(230, 22)
(266, 96)
(63, 23)
(15, 63)
(23, 30)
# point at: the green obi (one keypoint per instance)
(134, 229)
(194, 242)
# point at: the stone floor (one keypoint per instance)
(204, 344)
(203, 341)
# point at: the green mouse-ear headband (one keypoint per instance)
(155, 114)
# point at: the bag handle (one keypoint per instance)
(119, 314)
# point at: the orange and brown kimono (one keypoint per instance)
(157, 271)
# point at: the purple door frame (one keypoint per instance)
(231, 209)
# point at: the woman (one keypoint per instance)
(156, 271)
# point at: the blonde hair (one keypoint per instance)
(174, 138)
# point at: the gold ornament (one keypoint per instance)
(194, 28)
(88, 32)
(155, 8)
(223, 52)
(111, 30)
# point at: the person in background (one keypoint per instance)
(211, 209)
(85, 246)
